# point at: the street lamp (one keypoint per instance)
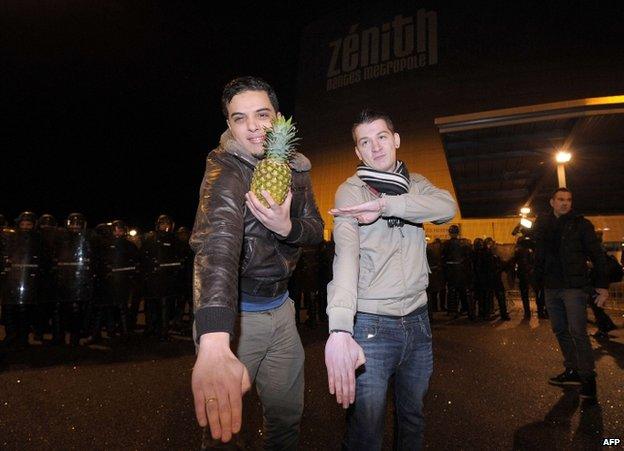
(525, 211)
(562, 158)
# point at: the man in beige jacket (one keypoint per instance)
(377, 300)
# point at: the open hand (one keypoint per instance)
(218, 382)
(365, 213)
(342, 357)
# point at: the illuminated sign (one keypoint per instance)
(403, 44)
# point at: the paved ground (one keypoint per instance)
(488, 391)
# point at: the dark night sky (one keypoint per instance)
(109, 107)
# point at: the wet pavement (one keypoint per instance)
(488, 391)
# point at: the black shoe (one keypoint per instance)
(567, 378)
(588, 389)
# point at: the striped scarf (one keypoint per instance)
(388, 183)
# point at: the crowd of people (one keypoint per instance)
(467, 276)
(45, 290)
(67, 284)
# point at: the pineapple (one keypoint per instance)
(273, 172)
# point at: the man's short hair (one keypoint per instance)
(367, 116)
(560, 190)
(247, 83)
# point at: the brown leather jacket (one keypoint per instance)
(234, 252)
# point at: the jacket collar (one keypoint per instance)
(572, 214)
(299, 162)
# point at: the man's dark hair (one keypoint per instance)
(560, 190)
(367, 116)
(248, 83)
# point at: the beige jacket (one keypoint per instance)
(378, 269)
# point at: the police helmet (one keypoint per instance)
(165, 219)
(121, 224)
(77, 219)
(26, 216)
(46, 220)
(103, 229)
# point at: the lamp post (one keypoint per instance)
(562, 158)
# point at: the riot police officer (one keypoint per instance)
(524, 260)
(75, 265)
(480, 279)
(184, 301)
(456, 259)
(303, 285)
(47, 228)
(22, 267)
(436, 290)
(161, 261)
(493, 268)
(119, 271)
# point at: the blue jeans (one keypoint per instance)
(399, 346)
(567, 309)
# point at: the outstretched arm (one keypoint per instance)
(342, 353)
(423, 203)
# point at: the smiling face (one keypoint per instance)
(249, 113)
(376, 145)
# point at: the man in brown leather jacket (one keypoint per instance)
(244, 255)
